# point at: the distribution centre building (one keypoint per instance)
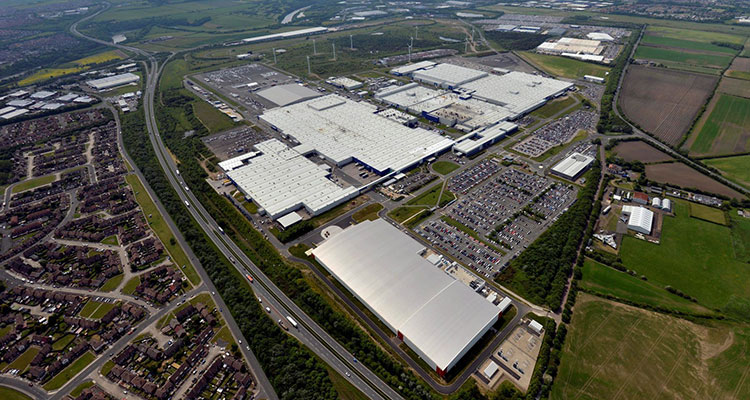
(113, 81)
(344, 131)
(437, 316)
(573, 166)
(640, 219)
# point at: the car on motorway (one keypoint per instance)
(348, 375)
(283, 325)
(268, 309)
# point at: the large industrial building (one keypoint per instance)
(281, 180)
(343, 131)
(113, 81)
(573, 166)
(284, 95)
(286, 35)
(640, 219)
(447, 76)
(571, 45)
(437, 316)
(518, 92)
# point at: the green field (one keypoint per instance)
(7, 393)
(728, 122)
(112, 283)
(111, 240)
(736, 168)
(554, 107)
(213, 119)
(33, 183)
(80, 388)
(705, 269)
(130, 285)
(63, 342)
(369, 212)
(444, 167)
(68, 373)
(430, 197)
(23, 361)
(613, 351)
(605, 280)
(401, 214)
(685, 44)
(697, 59)
(160, 227)
(565, 67)
(694, 33)
(103, 309)
(740, 235)
(707, 213)
(89, 308)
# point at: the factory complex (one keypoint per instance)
(113, 81)
(437, 316)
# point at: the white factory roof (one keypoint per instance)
(409, 68)
(448, 75)
(535, 326)
(237, 162)
(68, 97)
(584, 57)
(286, 35)
(20, 103)
(504, 304)
(572, 45)
(439, 316)
(19, 93)
(42, 94)
(641, 218)
(114, 80)
(52, 106)
(475, 140)
(281, 180)
(491, 370)
(14, 114)
(572, 165)
(291, 93)
(601, 36)
(346, 83)
(6, 110)
(83, 99)
(289, 219)
(517, 91)
(342, 130)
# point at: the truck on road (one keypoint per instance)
(291, 321)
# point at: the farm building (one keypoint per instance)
(666, 205)
(113, 81)
(640, 198)
(343, 131)
(437, 316)
(573, 166)
(640, 219)
(656, 202)
(281, 180)
(284, 95)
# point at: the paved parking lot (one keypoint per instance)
(241, 83)
(234, 142)
(557, 132)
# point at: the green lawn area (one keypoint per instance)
(554, 107)
(33, 183)
(344, 388)
(695, 35)
(80, 388)
(107, 367)
(705, 269)
(740, 236)
(7, 393)
(130, 285)
(102, 310)
(213, 119)
(225, 335)
(613, 351)
(89, 308)
(63, 342)
(112, 283)
(162, 230)
(444, 167)
(565, 67)
(736, 168)
(729, 121)
(111, 240)
(739, 75)
(369, 212)
(685, 44)
(707, 213)
(401, 214)
(699, 59)
(68, 373)
(430, 197)
(609, 281)
(23, 361)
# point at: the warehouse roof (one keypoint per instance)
(448, 75)
(283, 95)
(641, 218)
(572, 165)
(281, 180)
(384, 268)
(42, 94)
(518, 91)
(112, 81)
(285, 35)
(342, 130)
(409, 68)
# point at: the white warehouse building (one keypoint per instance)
(437, 316)
(113, 81)
(640, 219)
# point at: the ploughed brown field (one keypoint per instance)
(735, 87)
(681, 175)
(664, 102)
(640, 151)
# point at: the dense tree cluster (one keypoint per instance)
(540, 272)
(516, 40)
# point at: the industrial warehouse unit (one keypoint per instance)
(281, 180)
(113, 81)
(343, 131)
(436, 315)
(640, 219)
(573, 166)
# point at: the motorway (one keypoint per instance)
(309, 333)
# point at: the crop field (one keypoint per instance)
(676, 43)
(664, 102)
(740, 236)
(740, 68)
(683, 57)
(49, 73)
(681, 175)
(724, 128)
(736, 169)
(565, 67)
(605, 280)
(693, 32)
(640, 151)
(614, 351)
(735, 87)
(705, 269)
(100, 58)
(707, 213)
